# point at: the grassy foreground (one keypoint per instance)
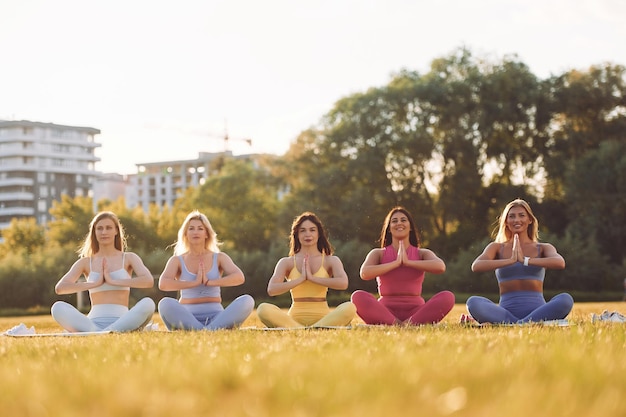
(430, 371)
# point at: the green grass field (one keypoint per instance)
(444, 370)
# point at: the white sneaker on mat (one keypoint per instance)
(616, 317)
(20, 329)
(610, 316)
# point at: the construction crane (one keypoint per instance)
(206, 134)
(226, 138)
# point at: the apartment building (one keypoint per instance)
(40, 162)
(161, 183)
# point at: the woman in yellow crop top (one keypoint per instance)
(308, 272)
(108, 271)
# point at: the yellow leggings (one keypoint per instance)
(307, 314)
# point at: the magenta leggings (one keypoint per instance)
(402, 309)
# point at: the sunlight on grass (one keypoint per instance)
(433, 370)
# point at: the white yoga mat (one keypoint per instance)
(61, 334)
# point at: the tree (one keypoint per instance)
(23, 234)
(71, 218)
(587, 108)
(596, 198)
(241, 204)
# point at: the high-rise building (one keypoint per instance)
(40, 162)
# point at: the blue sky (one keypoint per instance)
(163, 79)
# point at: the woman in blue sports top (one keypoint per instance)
(108, 270)
(198, 269)
(519, 261)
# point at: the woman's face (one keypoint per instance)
(308, 233)
(517, 220)
(399, 225)
(196, 232)
(105, 231)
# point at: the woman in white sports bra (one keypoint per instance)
(198, 270)
(108, 270)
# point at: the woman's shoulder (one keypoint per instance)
(286, 259)
(496, 245)
(285, 264)
(175, 259)
(332, 258)
(82, 262)
(378, 250)
(131, 255)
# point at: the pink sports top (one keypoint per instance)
(119, 274)
(403, 280)
(307, 288)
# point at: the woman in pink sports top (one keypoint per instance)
(399, 266)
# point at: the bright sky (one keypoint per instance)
(163, 79)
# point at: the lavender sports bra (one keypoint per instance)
(519, 271)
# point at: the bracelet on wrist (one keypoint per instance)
(526, 259)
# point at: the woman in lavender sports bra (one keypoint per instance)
(399, 266)
(198, 269)
(519, 262)
(108, 270)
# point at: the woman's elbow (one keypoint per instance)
(343, 285)
(365, 276)
(162, 286)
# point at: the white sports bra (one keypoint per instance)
(119, 274)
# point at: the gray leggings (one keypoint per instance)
(114, 317)
(205, 316)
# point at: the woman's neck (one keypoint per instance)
(107, 251)
(197, 252)
(309, 252)
(396, 242)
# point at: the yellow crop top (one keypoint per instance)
(308, 288)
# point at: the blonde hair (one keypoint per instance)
(91, 246)
(182, 243)
(503, 234)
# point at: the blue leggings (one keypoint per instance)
(520, 307)
(205, 316)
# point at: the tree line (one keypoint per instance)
(453, 145)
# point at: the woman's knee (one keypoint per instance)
(564, 299)
(264, 308)
(245, 301)
(60, 306)
(360, 296)
(475, 302)
(146, 305)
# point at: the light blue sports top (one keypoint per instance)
(119, 274)
(201, 290)
(519, 271)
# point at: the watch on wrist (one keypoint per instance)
(526, 259)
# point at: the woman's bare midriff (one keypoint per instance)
(521, 285)
(200, 300)
(120, 297)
